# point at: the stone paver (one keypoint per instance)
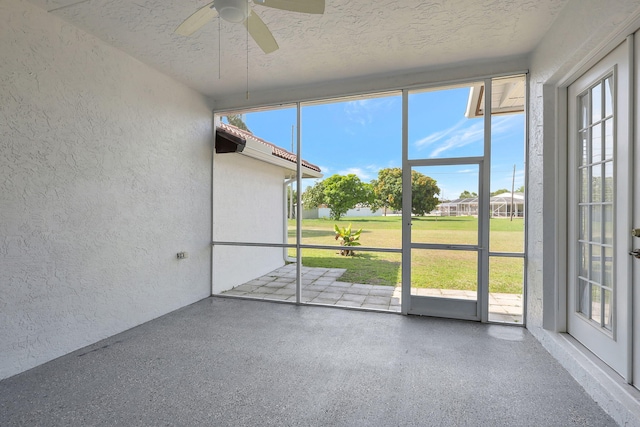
(322, 286)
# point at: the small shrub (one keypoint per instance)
(347, 237)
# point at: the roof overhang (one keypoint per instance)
(507, 97)
(259, 151)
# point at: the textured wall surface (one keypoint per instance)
(105, 173)
(248, 206)
(580, 29)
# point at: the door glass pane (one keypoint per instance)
(583, 107)
(596, 183)
(451, 215)
(608, 139)
(608, 224)
(583, 183)
(608, 97)
(608, 310)
(596, 308)
(583, 223)
(444, 273)
(596, 143)
(583, 253)
(596, 224)
(596, 103)
(584, 147)
(596, 262)
(608, 182)
(583, 297)
(607, 273)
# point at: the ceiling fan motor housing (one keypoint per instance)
(233, 10)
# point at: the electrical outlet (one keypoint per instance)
(183, 255)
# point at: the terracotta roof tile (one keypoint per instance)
(275, 150)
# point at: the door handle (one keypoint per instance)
(635, 253)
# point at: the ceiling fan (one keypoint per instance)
(240, 12)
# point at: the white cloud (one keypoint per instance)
(467, 171)
(325, 170)
(362, 111)
(366, 173)
(436, 136)
(464, 133)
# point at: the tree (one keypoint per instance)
(313, 196)
(520, 189)
(500, 191)
(423, 192)
(236, 120)
(340, 193)
(387, 191)
(466, 194)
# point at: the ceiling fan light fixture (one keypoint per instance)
(233, 10)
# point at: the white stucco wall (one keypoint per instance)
(105, 173)
(248, 206)
(584, 32)
(583, 28)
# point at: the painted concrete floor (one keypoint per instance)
(322, 286)
(235, 362)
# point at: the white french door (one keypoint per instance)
(634, 189)
(600, 201)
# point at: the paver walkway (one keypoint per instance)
(322, 286)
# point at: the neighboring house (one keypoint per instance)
(250, 192)
(501, 206)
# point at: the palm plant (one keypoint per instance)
(347, 237)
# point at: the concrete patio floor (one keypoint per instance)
(322, 286)
(233, 362)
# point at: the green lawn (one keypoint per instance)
(430, 268)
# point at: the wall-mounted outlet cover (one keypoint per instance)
(183, 255)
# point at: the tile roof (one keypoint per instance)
(275, 150)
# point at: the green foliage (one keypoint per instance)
(340, 193)
(500, 191)
(466, 194)
(423, 190)
(520, 189)
(313, 196)
(387, 190)
(347, 237)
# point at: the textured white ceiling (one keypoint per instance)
(353, 38)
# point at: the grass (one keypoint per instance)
(430, 268)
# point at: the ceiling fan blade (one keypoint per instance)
(197, 20)
(304, 6)
(260, 33)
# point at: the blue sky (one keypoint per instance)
(364, 136)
